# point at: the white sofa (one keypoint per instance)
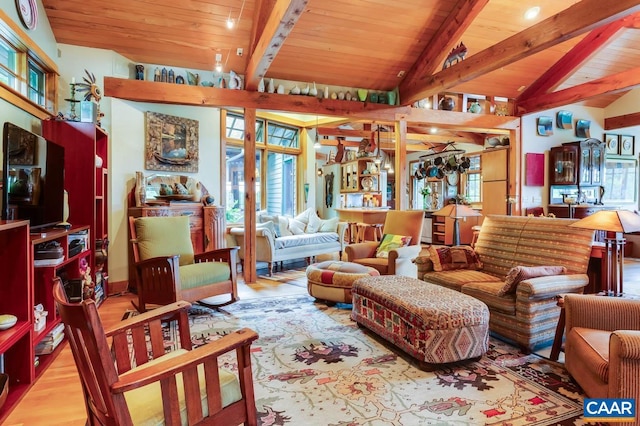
(280, 238)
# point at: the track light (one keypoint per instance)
(230, 22)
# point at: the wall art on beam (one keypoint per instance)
(564, 120)
(171, 143)
(583, 128)
(545, 126)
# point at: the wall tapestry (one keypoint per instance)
(171, 143)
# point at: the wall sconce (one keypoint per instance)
(319, 172)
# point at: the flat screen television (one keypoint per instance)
(32, 178)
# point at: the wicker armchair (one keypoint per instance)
(602, 347)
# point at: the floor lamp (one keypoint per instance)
(456, 211)
(616, 222)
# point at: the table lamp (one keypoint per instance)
(614, 221)
(456, 211)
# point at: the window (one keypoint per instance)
(277, 166)
(473, 180)
(26, 74)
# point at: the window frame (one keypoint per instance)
(28, 55)
(464, 181)
(264, 146)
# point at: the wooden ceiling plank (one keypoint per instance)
(621, 121)
(452, 29)
(581, 52)
(281, 21)
(571, 22)
(624, 80)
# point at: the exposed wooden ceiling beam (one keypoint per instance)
(620, 121)
(581, 52)
(283, 17)
(385, 146)
(454, 26)
(462, 121)
(624, 80)
(180, 94)
(571, 22)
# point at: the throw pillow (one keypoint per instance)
(451, 258)
(522, 273)
(305, 215)
(283, 226)
(314, 223)
(390, 242)
(296, 227)
(268, 225)
(329, 225)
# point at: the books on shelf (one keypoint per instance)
(48, 262)
(49, 343)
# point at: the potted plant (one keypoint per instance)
(426, 197)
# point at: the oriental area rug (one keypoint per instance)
(312, 365)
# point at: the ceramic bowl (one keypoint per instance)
(7, 321)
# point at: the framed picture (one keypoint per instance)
(564, 119)
(627, 145)
(545, 126)
(171, 143)
(611, 143)
(583, 129)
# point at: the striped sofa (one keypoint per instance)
(528, 316)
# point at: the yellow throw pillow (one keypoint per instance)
(390, 242)
(456, 257)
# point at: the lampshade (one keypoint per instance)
(456, 211)
(610, 220)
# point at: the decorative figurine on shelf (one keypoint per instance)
(139, 72)
(72, 100)
(457, 54)
(92, 92)
(88, 286)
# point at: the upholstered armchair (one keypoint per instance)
(168, 270)
(400, 260)
(135, 383)
(602, 345)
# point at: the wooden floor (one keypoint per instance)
(56, 397)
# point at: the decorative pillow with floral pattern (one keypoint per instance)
(456, 257)
(390, 242)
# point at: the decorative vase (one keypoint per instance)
(272, 86)
(391, 97)
(426, 202)
(140, 191)
(98, 161)
(261, 85)
(314, 90)
(447, 103)
(197, 192)
(326, 92)
(362, 94)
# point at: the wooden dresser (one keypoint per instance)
(207, 226)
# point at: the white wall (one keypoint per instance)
(533, 196)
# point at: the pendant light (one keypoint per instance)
(316, 144)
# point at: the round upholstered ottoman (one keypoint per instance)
(332, 280)
(433, 324)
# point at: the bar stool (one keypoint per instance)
(362, 231)
(476, 232)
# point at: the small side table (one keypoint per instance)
(557, 340)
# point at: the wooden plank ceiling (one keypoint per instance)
(380, 45)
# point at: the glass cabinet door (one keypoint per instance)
(563, 165)
(597, 162)
(585, 166)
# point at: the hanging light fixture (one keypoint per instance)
(378, 159)
(218, 66)
(316, 144)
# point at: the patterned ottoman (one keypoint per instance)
(431, 323)
(331, 280)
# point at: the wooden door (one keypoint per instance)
(494, 197)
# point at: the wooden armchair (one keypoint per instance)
(602, 345)
(400, 260)
(168, 270)
(182, 387)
